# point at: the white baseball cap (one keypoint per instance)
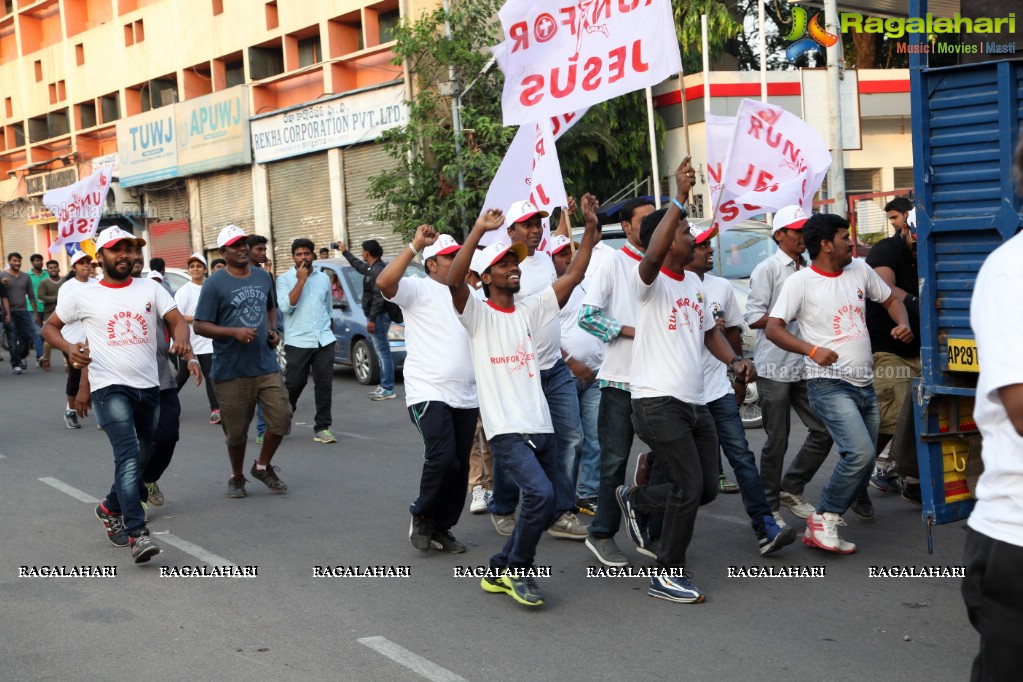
(112, 235)
(444, 246)
(199, 257)
(79, 255)
(229, 235)
(789, 218)
(522, 211)
(479, 262)
(700, 236)
(497, 251)
(155, 276)
(561, 241)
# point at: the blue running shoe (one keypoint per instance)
(678, 589)
(635, 528)
(776, 537)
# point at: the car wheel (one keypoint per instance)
(365, 363)
(750, 411)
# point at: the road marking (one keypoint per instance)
(69, 490)
(729, 519)
(195, 550)
(413, 662)
(185, 546)
(353, 435)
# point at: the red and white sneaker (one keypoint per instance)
(822, 533)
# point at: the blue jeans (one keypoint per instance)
(589, 460)
(383, 349)
(615, 433)
(37, 338)
(529, 461)
(563, 402)
(260, 422)
(732, 439)
(20, 333)
(128, 417)
(851, 416)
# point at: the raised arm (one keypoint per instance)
(492, 219)
(565, 221)
(360, 265)
(660, 243)
(390, 277)
(573, 276)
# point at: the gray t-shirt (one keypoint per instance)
(18, 288)
(229, 301)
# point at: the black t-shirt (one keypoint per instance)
(893, 253)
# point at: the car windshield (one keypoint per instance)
(738, 250)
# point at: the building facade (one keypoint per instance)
(254, 112)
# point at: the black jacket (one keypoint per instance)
(372, 299)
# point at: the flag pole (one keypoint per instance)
(653, 147)
(763, 55)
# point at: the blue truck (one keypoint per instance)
(965, 119)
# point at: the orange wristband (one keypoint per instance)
(813, 352)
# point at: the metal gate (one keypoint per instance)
(361, 164)
(171, 241)
(224, 199)
(18, 235)
(299, 205)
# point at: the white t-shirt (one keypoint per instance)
(600, 255)
(505, 360)
(997, 325)
(187, 298)
(120, 323)
(73, 332)
(578, 343)
(611, 289)
(831, 313)
(538, 273)
(437, 365)
(720, 296)
(667, 355)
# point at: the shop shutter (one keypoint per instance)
(167, 203)
(224, 199)
(170, 241)
(361, 164)
(18, 235)
(299, 205)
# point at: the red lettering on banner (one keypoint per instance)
(556, 88)
(617, 64)
(520, 34)
(569, 18)
(762, 182)
(792, 151)
(83, 225)
(532, 90)
(591, 79)
(540, 151)
(768, 115)
(714, 172)
(544, 199)
(637, 59)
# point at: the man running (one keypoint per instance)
(516, 418)
(440, 387)
(123, 373)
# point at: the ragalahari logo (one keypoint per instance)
(806, 36)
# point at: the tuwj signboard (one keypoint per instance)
(196, 136)
(331, 122)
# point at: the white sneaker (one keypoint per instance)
(479, 500)
(822, 532)
(796, 504)
(778, 519)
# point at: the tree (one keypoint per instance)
(605, 151)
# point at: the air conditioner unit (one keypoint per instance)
(122, 200)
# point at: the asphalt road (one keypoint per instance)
(347, 504)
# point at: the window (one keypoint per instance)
(80, 54)
(309, 51)
(39, 71)
(8, 107)
(271, 15)
(388, 22)
(110, 107)
(218, 7)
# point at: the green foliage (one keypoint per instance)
(721, 27)
(423, 187)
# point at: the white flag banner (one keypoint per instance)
(78, 207)
(531, 170)
(720, 131)
(570, 54)
(776, 160)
